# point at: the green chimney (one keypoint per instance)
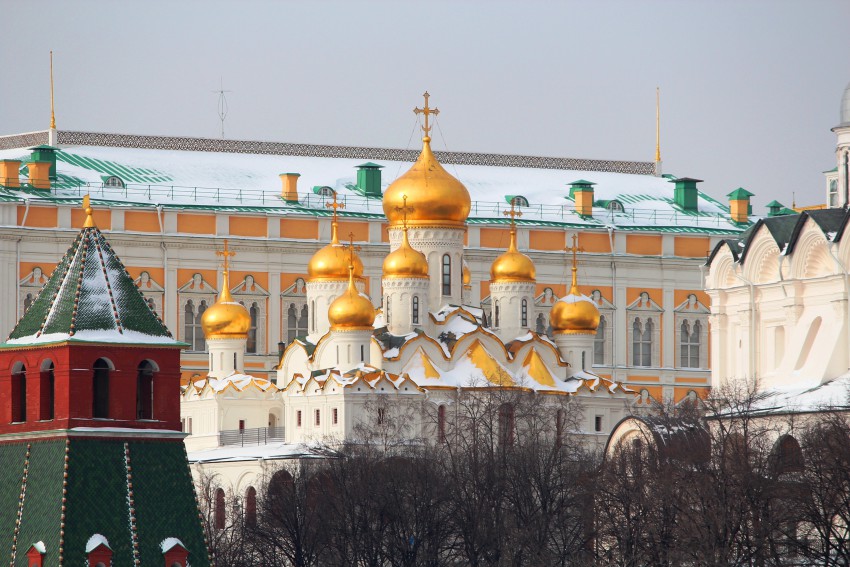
(685, 194)
(46, 153)
(774, 208)
(369, 179)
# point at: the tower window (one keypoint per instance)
(318, 417)
(415, 310)
(524, 313)
(298, 418)
(48, 391)
(251, 507)
(388, 310)
(597, 423)
(19, 394)
(144, 391)
(496, 316)
(447, 274)
(100, 389)
(335, 416)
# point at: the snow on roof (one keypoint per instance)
(237, 380)
(271, 451)
(835, 394)
(168, 543)
(39, 547)
(236, 180)
(96, 541)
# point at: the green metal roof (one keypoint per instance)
(369, 165)
(90, 290)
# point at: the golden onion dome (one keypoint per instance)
(226, 318)
(467, 275)
(575, 314)
(512, 265)
(405, 262)
(330, 263)
(434, 196)
(352, 310)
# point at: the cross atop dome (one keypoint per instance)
(404, 209)
(574, 249)
(227, 254)
(427, 111)
(513, 213)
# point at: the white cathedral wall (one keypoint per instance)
(509, 296)
(398, 304)
(435, 243)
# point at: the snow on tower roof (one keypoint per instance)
(90, 297)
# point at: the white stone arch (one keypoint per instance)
(811, 257)
(762, 262)
(721, 272)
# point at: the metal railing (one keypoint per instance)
(253, 436)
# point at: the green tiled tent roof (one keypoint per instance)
(90, 297)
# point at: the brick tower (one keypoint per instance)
(93, 470)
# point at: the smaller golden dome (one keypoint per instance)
(405, 261)
(467, 275)
(575, 314)
(352, 310)
(330, 263)
(226, 318)
(512, 265)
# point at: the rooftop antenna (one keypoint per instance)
(657, 131)
(51, 136)
(222, 104)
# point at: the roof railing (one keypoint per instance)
(360, 205)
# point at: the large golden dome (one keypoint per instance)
(352, 310)
(405, 262)
(512, 265)
(226, 318)
(575, 314)
(435, 196)
(330, 263)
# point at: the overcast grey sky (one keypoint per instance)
(749, 89)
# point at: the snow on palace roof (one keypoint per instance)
(197, 173)
(90, 297)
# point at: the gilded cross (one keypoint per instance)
(513, 213)
(404, 209)
(574, 249)
(335, 205)
(427, 111)
(227, 253)
(351, 250)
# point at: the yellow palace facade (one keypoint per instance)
(168, 204)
